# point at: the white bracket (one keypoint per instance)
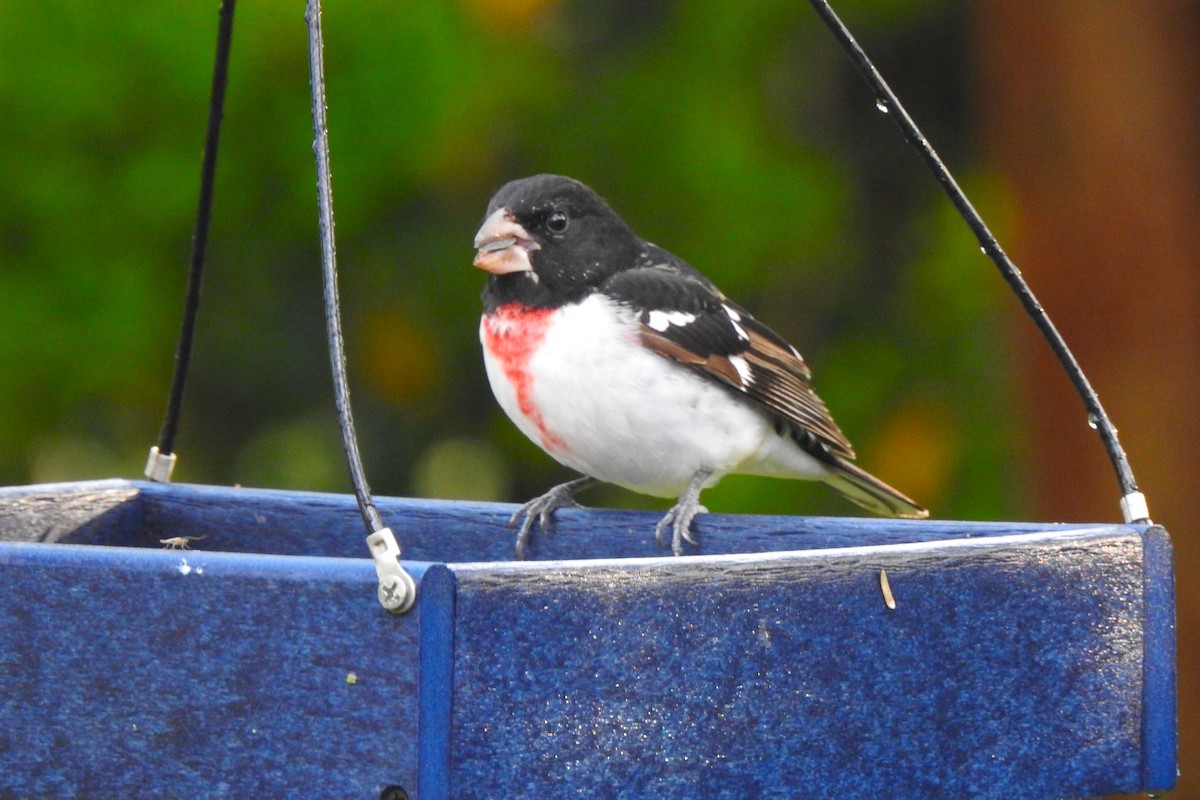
(1135, 508)
(397, 590)
(159, 467)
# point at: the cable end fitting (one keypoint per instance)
(1134, 507)
(159, 466)
(397, 590)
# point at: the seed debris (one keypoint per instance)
(889, 599)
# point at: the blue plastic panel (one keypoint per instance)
(139, 514)
(146, 673)
(1010, 667)
(1021, 660)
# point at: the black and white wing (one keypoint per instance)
(687, 319)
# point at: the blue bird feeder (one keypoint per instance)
(794, 657)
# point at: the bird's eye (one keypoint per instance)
(557, 222)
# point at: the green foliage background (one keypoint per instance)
(734, 134)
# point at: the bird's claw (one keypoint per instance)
(679, 521)
(679, 518)
(687, 534)
(540, 510)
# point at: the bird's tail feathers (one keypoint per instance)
(863, 488)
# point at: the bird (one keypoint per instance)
(626, 364)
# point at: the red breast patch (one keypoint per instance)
(512, 334)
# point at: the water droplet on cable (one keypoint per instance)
(1093, 421)
(882, 105)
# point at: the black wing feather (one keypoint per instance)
(684, 317)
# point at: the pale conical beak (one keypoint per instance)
(503, 245)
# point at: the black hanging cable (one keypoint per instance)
(1133, 503)
(333, 320)
(162, 456)
(397, 590)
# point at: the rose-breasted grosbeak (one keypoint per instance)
(626, 364)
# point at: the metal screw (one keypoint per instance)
(394, 595)
(393, 793)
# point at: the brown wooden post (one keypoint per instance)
(1091, 113)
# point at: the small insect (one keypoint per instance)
(178, 542)
(888, 599)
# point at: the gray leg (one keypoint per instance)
(680, 517)
(541, 509)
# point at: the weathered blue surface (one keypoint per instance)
(1009, 668)
(1022, 660)
(147, 673)
(139, 514)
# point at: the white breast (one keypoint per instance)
(599, 402)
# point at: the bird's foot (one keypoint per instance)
(540, 510)
(679, 519)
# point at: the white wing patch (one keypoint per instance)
(734, 319)
(661, 320)
(743, 369)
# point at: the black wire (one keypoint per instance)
(208, 171)
(888, 102)
(333, 321)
